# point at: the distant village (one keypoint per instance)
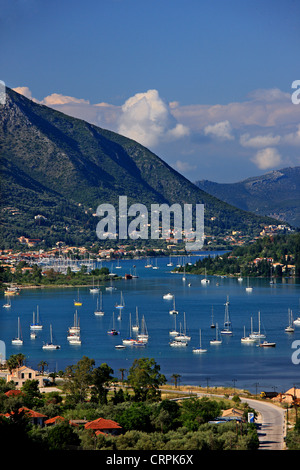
(33, 254)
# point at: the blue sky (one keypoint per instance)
(206, 85)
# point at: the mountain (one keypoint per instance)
(62, 168)
(275, 194)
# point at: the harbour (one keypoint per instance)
(232, 362)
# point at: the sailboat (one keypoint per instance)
(155, 267)
(168, 296)
(50, 345)
(257, 334)
(212, 318)
(75, 329)
(118, 265)
(170, 262)
(35, 325)
(182, 335)
(122, 303)
(129, 341)
(113, 331)
(183, 277)
(148, 265)
(248, 288)
(200, 349)
(99, 311)
(290, 328)
(7, 304)
(94, 290)
(18, 340)
(227, 323)
(217, 339)
(173, 311)
(247, 339)
(174, 332)
(205, 280)
(77, 302)
(143, 335)
(136, 326)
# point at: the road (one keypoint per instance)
(271, 430)
(271, 423)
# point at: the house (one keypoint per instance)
(21, 374)
(232, 413)
(58, 419)
(35, 417)
(291, 396)
(103, 426)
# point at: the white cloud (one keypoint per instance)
(221, 130)
(24, 90)
(58, 99)
(184, 167)
(267, 158)
(259, 140)
(293, 138)
(146, 118)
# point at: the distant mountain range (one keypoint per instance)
(56, 170)
(275, 194)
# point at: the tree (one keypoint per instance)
(14, 361)
(145, 378)
(101, 377)
(78, 379)
(42, 365)
(61, 436)
(176, 378)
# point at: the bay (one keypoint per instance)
(245, 366)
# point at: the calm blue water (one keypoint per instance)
(227, 364)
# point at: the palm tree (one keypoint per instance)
(42, 365)
(176, 378)
(122, 373)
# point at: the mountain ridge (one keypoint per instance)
(52, 160)
(274, 194)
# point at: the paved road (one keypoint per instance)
(271, 430)
(271, 425)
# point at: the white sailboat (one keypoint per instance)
(247, 339)
(50, 345)
(168, 296)
(248, 288)
(178, 344)
(174, 332)
(183, 277)
(290, 328)
(173, 311)
(182, 335)
(200, 349)
(121, 304)
(217, 339)
(7, 304)
(99, 310)
(148, 265)
(212, 325)
(129, 341)
(205, 280)
(155, 267)
(136, 327)
(75, 329)
(257, 334)
(227, 323)
(18, 341)
(94, 290)
(170, 262)
(143, 335)
(35, 325)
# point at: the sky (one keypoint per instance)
(205, 84)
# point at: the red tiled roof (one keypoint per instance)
(12, 393)
(32, 413)
(53, 420)
(102, 423)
